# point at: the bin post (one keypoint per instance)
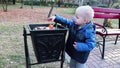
(63, 55)
(26, 49)
(62, 59)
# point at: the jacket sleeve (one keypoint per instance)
(62, 20)
(90, 42)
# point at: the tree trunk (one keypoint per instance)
(80, 2)
(51, 9)
(14, 2)
(22, 3)
(4, 5)
(31, 4)
(106, 22)
(59, 3)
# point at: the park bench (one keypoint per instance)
(106, 13)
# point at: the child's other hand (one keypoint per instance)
(74, 45)
(52, 18)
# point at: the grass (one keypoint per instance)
(68, 11)
(12, 48)
(12, 51)
(18, 5)
(114, 22)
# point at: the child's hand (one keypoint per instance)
(52, 18)
(74, 45)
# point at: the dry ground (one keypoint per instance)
(28, 15)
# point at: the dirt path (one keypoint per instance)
(36, 15)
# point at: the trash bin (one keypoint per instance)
(48, 44)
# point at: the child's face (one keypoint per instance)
(79, 19)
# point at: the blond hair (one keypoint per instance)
(86, 11)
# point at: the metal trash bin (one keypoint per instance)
(48, 45)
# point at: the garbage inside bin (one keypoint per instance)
(49, 27)
(48, 44)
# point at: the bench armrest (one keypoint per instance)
(101, 30)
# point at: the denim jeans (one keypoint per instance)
(75, 64)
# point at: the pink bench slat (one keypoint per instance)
(106, 10)
(102, 15)
(110, 32)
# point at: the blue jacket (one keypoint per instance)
(84, 38)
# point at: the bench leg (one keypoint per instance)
(103, 48)
(116, 39)
(98, 45)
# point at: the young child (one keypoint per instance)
(81, 39)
